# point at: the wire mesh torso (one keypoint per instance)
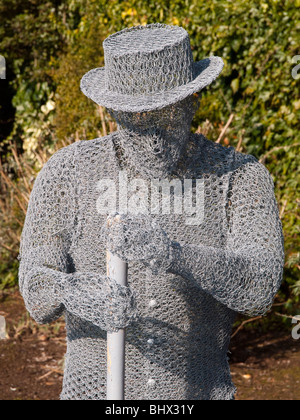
(177, 349)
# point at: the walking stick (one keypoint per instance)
(117, 270)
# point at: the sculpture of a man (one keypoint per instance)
(198, 225)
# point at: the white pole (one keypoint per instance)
(117, 270)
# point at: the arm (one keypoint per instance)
(246, 275)
(47, 279)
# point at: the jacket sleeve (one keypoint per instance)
(48, 281)
(246, 274)
(45, 240)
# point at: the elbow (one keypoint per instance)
(45, 315)
(42, 300)
(256, 307)
(261, 291)
(42, 308)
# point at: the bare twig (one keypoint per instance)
(280, 304)
(8, 248)
(112, 126)
(23, 208)
(6, 179)
(276, 149)
(225, 128)
(15, 238)
(239, 145)
(40, 159)
(13, 187)
(244, 323)
(288, 316)
(59, 372)
(283, 209)
(2, 171)
(19, 166)
(102, 120)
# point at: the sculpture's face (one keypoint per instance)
(155, 140)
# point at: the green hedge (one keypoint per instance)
(256, 39)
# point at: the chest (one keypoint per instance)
(190, 210)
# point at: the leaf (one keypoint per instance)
(235, 84)
(296, 104)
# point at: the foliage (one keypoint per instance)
(29, 37)
(257, 40)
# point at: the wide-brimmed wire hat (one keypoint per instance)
(147, 68)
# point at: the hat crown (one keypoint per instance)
(148, 59)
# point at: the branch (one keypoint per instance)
(101, 113)
(239, 145)
(276, 149)
(287, 316)
(225, 128)
(244, 323)
(13, 251)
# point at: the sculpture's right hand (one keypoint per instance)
(100, 300)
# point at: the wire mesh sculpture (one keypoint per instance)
(188, 276)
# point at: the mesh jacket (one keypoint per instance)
(230, 263)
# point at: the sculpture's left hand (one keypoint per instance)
(138, 238)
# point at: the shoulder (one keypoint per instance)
(100, 143)
(211, 156)
(226, 160)
(100, 149)
(247, 166)
(62, 158)
(249, 175)
(67, 158)
(241, 160)
(217, 153)
(236, 160)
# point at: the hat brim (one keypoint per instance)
(93, 86)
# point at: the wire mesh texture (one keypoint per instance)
(147, 68)
(188, 276)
